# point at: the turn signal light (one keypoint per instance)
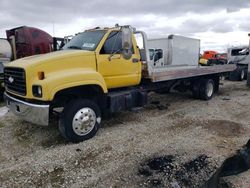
(41, 75)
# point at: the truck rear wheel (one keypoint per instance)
(80, 120)
(207, 88)
(242, 74)
(196, 89)
(237, 75)
(245, 71)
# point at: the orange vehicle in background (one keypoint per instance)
(211, 57)
(209, 54)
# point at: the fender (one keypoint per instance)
(72, 78)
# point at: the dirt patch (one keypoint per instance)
(170, 170)
(155, 104)
(224, 128)
(221, 128)
(54, 176)
(197, 164)
(162, 164)
(58, 140)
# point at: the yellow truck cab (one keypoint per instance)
(100, 71)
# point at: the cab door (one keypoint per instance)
(117, 71)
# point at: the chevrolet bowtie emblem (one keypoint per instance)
(11, 79)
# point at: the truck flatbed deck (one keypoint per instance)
(172, 73)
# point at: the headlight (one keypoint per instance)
(37, 91)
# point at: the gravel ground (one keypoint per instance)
(2, 104)
(240, 181)
(3, 111)
(174, 141)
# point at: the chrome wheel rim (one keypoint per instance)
(242, 74)
(210, 89)
(84, 121)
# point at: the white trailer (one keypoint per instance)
(176, 51)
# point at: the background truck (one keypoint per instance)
(240, 56)
(25, 41)
(100, 72)
(5, 57)
(210, 57)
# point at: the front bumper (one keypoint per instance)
(33, 113)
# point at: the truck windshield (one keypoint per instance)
(87, 40)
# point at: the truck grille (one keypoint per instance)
(14, 80)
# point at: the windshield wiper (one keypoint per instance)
(74, 47)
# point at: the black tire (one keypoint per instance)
(196, 89)
(248, 79)
(1, 94)
(207, 89)
(245, 70)
(237, 75)
(241, 74)
(70, 111)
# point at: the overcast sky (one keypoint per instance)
(218, 23)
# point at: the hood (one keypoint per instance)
(62, 55)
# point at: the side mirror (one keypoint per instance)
(127, 42)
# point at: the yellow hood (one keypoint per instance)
(63, 55)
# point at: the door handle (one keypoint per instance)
(135, 60)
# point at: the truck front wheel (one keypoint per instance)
(80, 120)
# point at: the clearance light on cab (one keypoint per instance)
(41, 75)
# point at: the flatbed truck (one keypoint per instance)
(102, 71)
